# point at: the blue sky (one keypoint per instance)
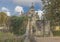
(12, 4)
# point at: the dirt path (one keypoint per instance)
(47, 39)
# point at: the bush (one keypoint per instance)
(18, 25)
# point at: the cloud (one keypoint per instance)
(8, 13)
(27, 2)
(19, 9)
(4, 9)
(40, 13)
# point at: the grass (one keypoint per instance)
(56, 33)
(2, 35)
(9, 37)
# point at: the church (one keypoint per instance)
(37, 26)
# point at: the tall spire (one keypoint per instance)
(32, 4)
(32, 7)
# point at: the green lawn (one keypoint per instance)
(56, 33)
(1, 33)
(9, 37)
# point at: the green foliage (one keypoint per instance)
(52, 10)
(18, 25)
(3, 18)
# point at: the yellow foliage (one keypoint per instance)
(3, 18)
(57, 28)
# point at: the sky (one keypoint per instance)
(16, 6)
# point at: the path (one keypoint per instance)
(48, 39)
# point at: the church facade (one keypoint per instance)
(37, 27)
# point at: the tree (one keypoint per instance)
(3, 18)
(52, 10)
(18, 25)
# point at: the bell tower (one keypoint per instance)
(31, 26)
(32, 18)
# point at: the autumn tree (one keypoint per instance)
(3, 18)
